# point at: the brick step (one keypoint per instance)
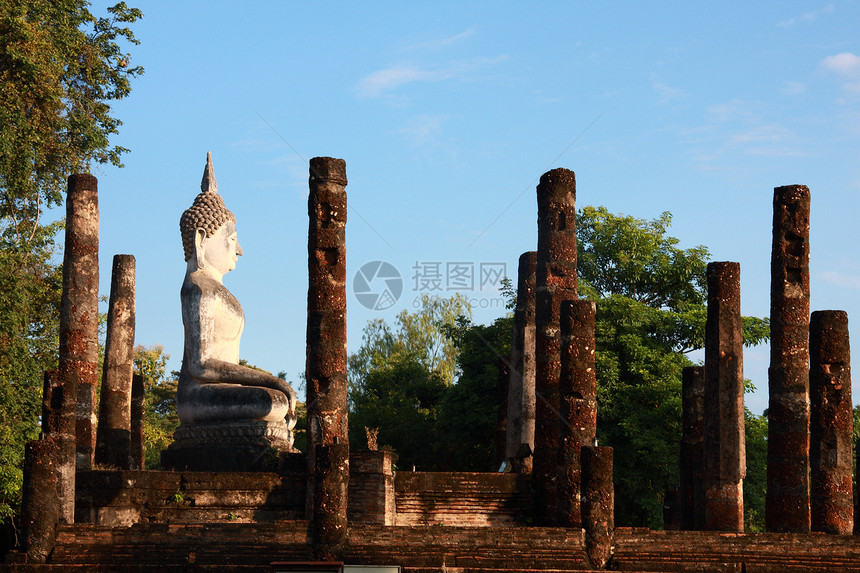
(219, 514)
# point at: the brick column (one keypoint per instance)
(578, 399)
(40, 507)
(787, 502)
(137, 450)
(113, 438)
(79, 317)
(328, 444)
(725, 442)
(598, 504)
(831, 422)
(555, 282)
(693, 448)
(521, 387)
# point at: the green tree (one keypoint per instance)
(420, 336)
(398, 378)
(755, 483)
(651, 311)
(60, 66)
(468, 412)
(160, 417)
(30, 289)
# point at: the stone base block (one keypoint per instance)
(248, 446)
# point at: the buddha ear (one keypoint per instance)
(199, 235)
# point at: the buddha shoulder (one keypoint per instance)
(200, 288)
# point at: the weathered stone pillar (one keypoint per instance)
(137, 448)
(693, 448)
(725, 442)
(79, 315)
(578, 399)
(521, 388)
(328, 444)
(555, 282)
(113, 438)
(40, 504)
(59, 401)
(787, 501)
(503, 377)
(598, 504)
(831, 423)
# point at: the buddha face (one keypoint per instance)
(222, 249)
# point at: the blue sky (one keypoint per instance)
(448, 113)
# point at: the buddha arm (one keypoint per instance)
(214, 370)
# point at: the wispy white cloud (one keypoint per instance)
(385, 80)
(806, 17)
(732, 110)
(838, 279)
(844, 64)
(760, 134)
(847, 67)
(423, 129)
(741, 128)
(794, 88)
(441, 43)
(666, 92)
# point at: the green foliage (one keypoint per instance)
(401, 398)
(60, 66)
(420, 338)
(755, 483)
(651, 310)
(398, 379)
(160, 417)
(469, 409)
(30, 291)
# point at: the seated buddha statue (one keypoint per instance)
(218, 399)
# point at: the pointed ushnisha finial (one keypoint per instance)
(209, 185)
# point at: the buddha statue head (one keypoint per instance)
(209, 229)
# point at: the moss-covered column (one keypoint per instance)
(693, 448)
(40, 508)
(787, 501)
(521, 387)
(598, 504)
(137, 449)
(555, 282)
(113, 438)
(725, 442)
(79, 316)
(578, 398)
(831, 423)
(328, 442)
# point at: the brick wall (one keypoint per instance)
(462, 499)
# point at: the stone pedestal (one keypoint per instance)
(245, 446)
